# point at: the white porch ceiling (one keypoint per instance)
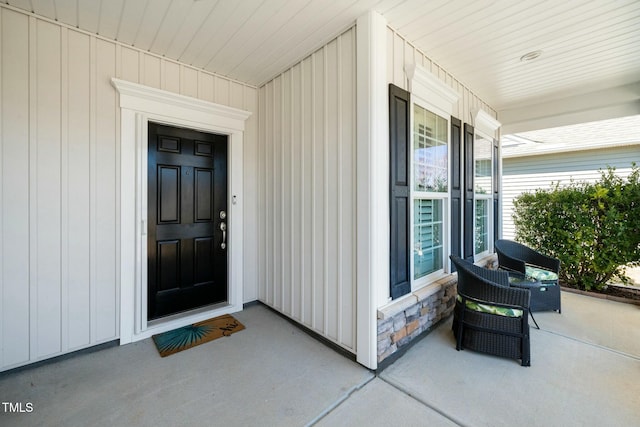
(586, 45)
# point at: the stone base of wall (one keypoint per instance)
(405, 319)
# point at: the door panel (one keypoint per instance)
(187, 190)
(204, 250)
(169, 265)
(169, 194)
(203, 200)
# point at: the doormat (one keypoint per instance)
(172, 342)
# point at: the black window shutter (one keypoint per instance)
(468, 192)
(456, 187)
(399, 109)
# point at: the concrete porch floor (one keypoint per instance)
(585, 372)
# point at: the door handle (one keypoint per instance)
(223, 228)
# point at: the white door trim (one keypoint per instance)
(138, 105)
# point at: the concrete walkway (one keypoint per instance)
(585, 371)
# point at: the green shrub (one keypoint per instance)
(594, 229)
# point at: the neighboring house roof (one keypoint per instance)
(587, 136)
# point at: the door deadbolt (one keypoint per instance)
(223, 214)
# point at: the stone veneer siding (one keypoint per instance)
(404, 320)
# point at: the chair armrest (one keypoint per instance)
(548, 263)
(510, 263)
(513, 255)
(491, 286)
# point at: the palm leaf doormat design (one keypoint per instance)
(172, 342)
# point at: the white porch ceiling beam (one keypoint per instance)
(621, 101)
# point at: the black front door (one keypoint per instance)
(187, 208)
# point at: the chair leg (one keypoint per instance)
(526, 351)
(460, 328)
(534, 320)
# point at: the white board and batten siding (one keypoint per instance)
(59, 189)
(528, 173)
(307, 191)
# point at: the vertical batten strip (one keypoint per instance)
(292, 144)
(278, 223)
(302, 143)
(264, 161)
(116, 213)
(64, 189)
(268, 242)
(3, 310)
(339, 225)
(354, 189)
(48, 182)
(93, 243)
(33, 191)
(78, 188)
(282, 193)
(325, 192)
(259, 239)
(312, 193)
(272, 199)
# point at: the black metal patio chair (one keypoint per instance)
(489, 315)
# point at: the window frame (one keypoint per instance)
(444, 197)
(487, 197)
(488, 128)
(431, 93)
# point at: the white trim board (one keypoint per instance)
(139, 104)
(429, 89)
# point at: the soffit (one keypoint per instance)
(586, 45)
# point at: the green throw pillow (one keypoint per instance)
(540, 274)
(491, 309)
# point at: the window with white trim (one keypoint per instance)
(429, 192)
(429, 160)
(483, 195)
(485, 183)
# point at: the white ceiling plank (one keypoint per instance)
(172, 23)
(244, 39)
(198, 52)
(89, 15)
(386, 6)
(406, 12)
(516, 32)
(150, 25)
(280, 22)
(110, 15)
(22, 4)
(191, 25)
(131, 20)
(541, 37)
(448, 21)
(200, 35)
(67, 12)
(486, 24)
(44, 8)
(568, 54)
